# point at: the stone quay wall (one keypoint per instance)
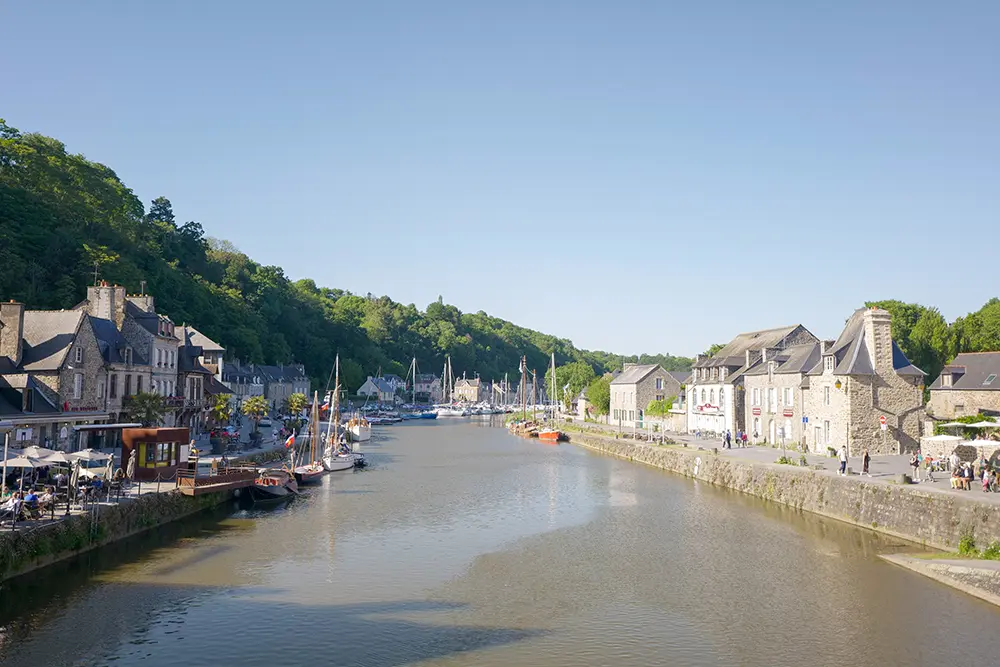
(28, 549)
(930, 518)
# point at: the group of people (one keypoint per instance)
(21, 505)
(727, 439)
(966, 475)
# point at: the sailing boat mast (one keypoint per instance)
(335, 408)
(553, 386)
(534, 393)
(413, 365)
(314, 441)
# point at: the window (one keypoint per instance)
(788, 397)
(711, 396)
(170, 355)
(756, 396)
(659, 383)
(702, 395)
(113, 387)
(631, 415)
(78, 385)
(828, 363)
(826, 433)
(770, 399)
(946, 380)
(659, 397)
(159, 357)
(100, 389)
(78, 355)
(128, 356)
(722, 393)
(163, 451)
(138, 384)
(989, 379)
(615, 415)
(826, 395)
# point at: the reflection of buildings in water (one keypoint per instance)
(621, 486)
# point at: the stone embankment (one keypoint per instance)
(975, 577)
(29, 549)
(905, 511)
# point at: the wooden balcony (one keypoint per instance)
(228, 479)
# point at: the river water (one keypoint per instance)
(463, 545)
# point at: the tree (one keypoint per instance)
(160, 209)
(255, 407)
(297, 402)
(712, 350)
(599, 395)
(660, 408)
(979, 331)
(576, 375)
(147, 409)
(221, 410)
(921, 333)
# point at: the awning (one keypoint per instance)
(104, 427)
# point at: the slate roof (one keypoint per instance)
(733, 355)
(426, 378)
(48, 336)
(851, 354)
(187, 360)
(794, 359)
(684, 377)
(148, 321)
(975, 368)
(467, 382)
(635, 374)
(195, 338)
(12, 399)
(380, 384)
(113, 344)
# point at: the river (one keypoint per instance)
(463, 545)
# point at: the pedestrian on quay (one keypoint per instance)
(843, 459)
(929, 468)
(865, 460)
(729, 439)
(915, 466)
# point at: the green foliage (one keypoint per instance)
(61, 214)
(599, 395)
(146, 408)
(803, 461)
(660, 408)
(992, 552)
(255, 407)
(222, 409)
(967, 433)
(967, 545)
(297, 402)
(785, 460)
(715, 347)
(577, 374)
(922, 334)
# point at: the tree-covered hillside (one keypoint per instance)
(62, 215)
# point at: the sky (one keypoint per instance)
(635, 176)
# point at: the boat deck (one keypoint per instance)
(224, 480)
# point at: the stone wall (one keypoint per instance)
(779, 382)
(818, 412)
(948, 404)
(26, 550)
(899, 399)
(905, 511)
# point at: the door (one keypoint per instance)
(772, 438)
(817, 439)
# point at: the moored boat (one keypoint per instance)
(551, 436)
(273, 484)
(359, 429)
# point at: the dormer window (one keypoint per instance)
(946, 380)
(989, 379)
(128, 356)
(828, 363)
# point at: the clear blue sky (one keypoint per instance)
(674, 172)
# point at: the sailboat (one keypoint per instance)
(447, 408)
(312, 472)
(550, 434)
(336, 456)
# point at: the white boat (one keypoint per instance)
(359, 429)
(451, 412)
(312, 473)
(336, 455)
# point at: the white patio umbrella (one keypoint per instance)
(944, 438)
(953, 425)
(130, 469)
(58, 457)
(36, 452)
(984, 424)
(24, 462)
(90, 455)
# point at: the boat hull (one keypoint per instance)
(551, 437)
(335, 463)
(360, 433)
(309, 476)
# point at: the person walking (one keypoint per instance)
(729, 439)
(865, 460)
(744, 443)
(843, 459)
(929, 468)
(915, 466)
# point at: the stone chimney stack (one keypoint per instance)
(12, 333)
(878, 338)
(107, 302)
(144, 302)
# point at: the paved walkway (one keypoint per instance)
(884, 469)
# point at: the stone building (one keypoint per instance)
(969, 385)
(282, 381)
(716, 400)
(127, 372)
(378, 389)
(155, 335)
(428, 387)
(864, 376)
(50, 373)
(468, 389)
(773, 393)
(244, 380)
(633, 390)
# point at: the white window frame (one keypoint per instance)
(100, 389)
(828, 363)
(78, 355)
(946, 380)
(659, 383)
(826, 432)
(77, 385)
(789, 397)
(826, 395)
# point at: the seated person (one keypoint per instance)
(956, 478)
(12, 507)
(47, 498)
(31, 499)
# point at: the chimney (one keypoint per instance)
(106, 302)
(763, 354)
(878, 338)
(700, 358)
(12, 333)
(144, 302)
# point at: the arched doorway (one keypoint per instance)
(756, 429)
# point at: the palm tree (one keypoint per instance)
(296, 404)
(255, 407)
(146, 408)
(222, 410)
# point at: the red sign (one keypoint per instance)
(707, 406)
(756, 412)
(788, 412)
(881, 420)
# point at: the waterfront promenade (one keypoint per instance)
(884, 469)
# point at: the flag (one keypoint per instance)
(290, 441)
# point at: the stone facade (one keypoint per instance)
(774, 405)
(875, 380)
(968, 386)
(948, 405)
(634, 389)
